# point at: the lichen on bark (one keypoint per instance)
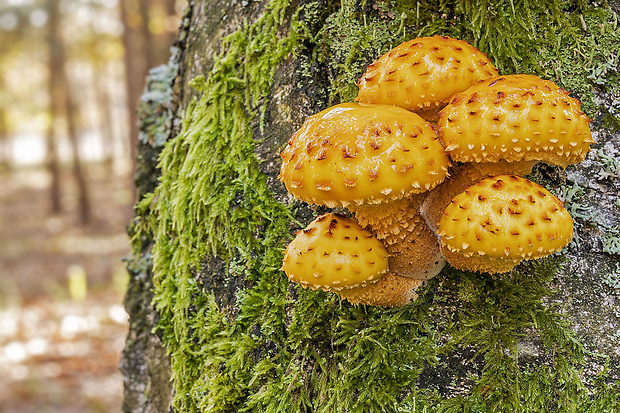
(241, 338)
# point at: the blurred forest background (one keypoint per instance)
(71, 76)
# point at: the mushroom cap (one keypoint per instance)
(515, 117)
(461, 177)
(390, 291)
(424, 73)
(355, 153)
(333, 253)
(500, 221)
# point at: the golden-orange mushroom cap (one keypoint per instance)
(424, 73)
(515, 118)
(500, 221)
(333, 253)
(362, 154)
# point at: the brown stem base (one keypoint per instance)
(390, 291)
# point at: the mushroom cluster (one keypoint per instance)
(429, 161)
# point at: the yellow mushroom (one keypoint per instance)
(422, 74)
(354, 154)
(499, 222)
(505, 126)
(334, 253)
(515, 118)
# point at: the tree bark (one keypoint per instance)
(241, 338)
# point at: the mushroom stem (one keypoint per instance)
(462, 177)
(390, 291)
(391, 221)
(413, 247)
(418, 255)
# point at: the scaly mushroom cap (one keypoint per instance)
(516, 117)
(390, 291)
(355, 153)
(461, 177)
(422, 74)
(333, 253)
(500, 221)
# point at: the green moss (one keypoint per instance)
(290, 349)
(213, 200)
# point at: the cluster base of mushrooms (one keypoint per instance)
(429, 160)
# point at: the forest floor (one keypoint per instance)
(62, 284)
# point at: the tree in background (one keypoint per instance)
(75, 98)
(146, 41)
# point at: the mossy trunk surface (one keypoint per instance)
(215, 324)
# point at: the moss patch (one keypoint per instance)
(284, 348)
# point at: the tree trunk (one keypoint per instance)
(134, 62)
(55, 68)
(211, 226)
(105, 119)
(5, 142)
(79, 174)
(147, 36)
(171, 12)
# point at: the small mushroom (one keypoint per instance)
(354, 154)
(334, 253)
(422, 74)
(461, 177)
(495, 224)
